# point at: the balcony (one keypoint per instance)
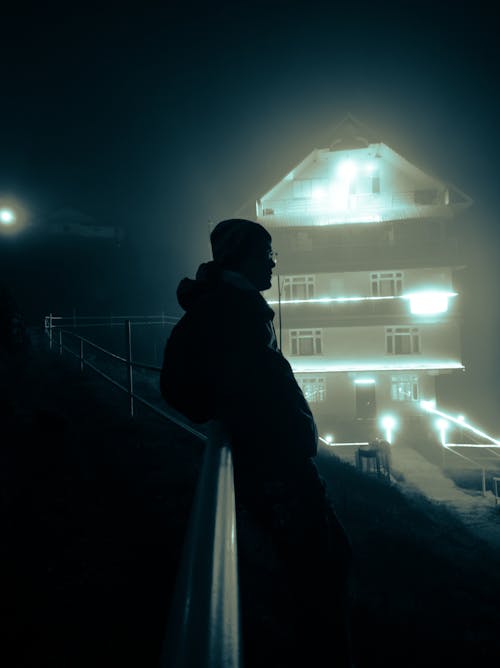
(354, 208)
(395, 311)
(320, 254)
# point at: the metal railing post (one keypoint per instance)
(130, 378)
(81, 355)
(50, 331)
(483, 481)
(60, 342)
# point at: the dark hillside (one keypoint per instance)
(94, 506)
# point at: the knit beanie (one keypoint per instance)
(232, 239)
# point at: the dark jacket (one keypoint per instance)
(222, 362)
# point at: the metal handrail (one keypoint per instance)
(203, 629)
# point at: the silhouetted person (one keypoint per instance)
(222, 362)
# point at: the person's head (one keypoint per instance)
(244, 246)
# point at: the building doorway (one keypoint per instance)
(366, 405)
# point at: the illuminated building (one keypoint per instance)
(366, 262)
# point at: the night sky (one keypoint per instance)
(161, 117)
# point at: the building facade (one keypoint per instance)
(367, 310)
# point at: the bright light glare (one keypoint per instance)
(329, 438)
(7, 216)
(347, 170)
(429, 303)
(319, 192)
(442, 425)
(388, 423)
(461, 418)
(364, 381)
(428, 406)
(369, 168)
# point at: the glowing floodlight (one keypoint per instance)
(364, 381)
(428, 405)
(461, 418)
(388, 423)
(328, 438)
(347, 170)
(430, 302)
(7, 217)
(443, 426)
(318, 192)
(370, 168)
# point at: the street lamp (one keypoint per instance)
(7, 217)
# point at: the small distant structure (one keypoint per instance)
(69, 222)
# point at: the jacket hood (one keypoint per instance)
(189, 291)
(209, 281)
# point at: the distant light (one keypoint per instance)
(329, 438)
(319, 192)
(388, 423)
(364, 381)
(7, 217)
(370, 167)
(461, 418)
(428, 406)
(347, 170)
(443, 426)
(429, 302)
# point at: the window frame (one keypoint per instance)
(319, 393)
(378, 278)
(298, 335)
(294, 281)
(412, 381)
(395, 337)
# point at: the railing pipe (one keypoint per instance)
(483, 481)
(203, 630)
(130, 377)
(50, 331)
(60, 342)
(81, 355)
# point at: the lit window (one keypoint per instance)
(402, 340)
(312, 387)
(297, 287)
(387, 284)
(305, 341)
(404, 388)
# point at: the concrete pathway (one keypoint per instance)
(477, 512)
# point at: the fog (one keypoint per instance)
(162, 120)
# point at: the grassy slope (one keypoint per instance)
(94, 506)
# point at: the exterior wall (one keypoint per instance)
(337, 413)
(365, 345)
(358, 283)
